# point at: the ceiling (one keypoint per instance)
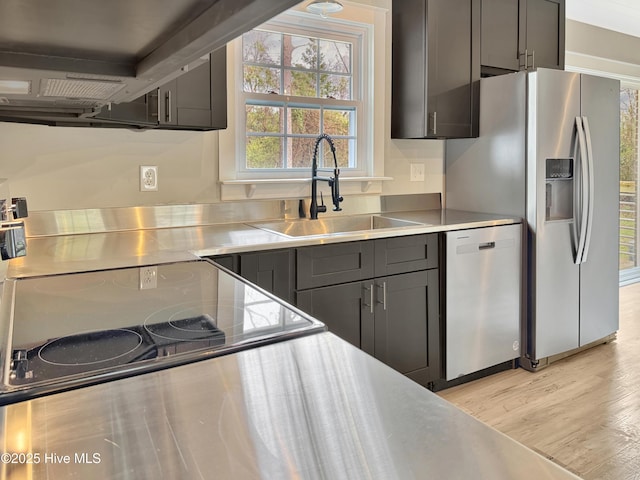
(619, 15)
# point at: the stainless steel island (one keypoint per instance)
(313, 408)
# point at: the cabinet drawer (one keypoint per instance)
(406, 254)
(323, 265)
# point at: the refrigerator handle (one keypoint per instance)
(590, 189)
(581, 208)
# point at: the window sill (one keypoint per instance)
(284, 188)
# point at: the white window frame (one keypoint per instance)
(300, 23)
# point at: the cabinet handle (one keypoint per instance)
(370, 290)
(384, 295)
(526, 55)
(434, 123)
(167, 106)
(533, 60)
(157, 97)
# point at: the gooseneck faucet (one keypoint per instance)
(332, 181)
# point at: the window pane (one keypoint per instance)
(300, 52)
(338, 122)
(302, 84)
(335, 56)
(261, 47)
(335, 86)
(304, 121)
(344, 152)
(261, 79)
(301, 152)
(262, 119)
(264, 152)
(629, 214)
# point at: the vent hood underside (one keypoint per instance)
(71, 57)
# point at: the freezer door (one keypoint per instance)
(553, 105)
(599, 272)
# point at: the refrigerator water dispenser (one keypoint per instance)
(559, 189)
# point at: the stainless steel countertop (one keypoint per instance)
(96, 251)
(312, 408)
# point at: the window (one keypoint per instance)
(629, 214)
(302, 76)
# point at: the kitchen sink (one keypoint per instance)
(334, 225)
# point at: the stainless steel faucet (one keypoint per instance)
(332, 181)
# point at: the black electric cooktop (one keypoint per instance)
(65, 331)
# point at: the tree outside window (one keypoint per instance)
(628, 178)
(297, 87)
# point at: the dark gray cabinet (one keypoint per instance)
(322, 265)
(395, 319)
(435, 68)
(405, 254)
(380, 295)
(522, 35)
(195, 100)
(407, 333)
(271, 270)
(345, 309)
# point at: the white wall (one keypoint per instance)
(602, 51)
(59, 168)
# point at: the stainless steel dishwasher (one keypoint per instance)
(483, 280)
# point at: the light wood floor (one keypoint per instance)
(583, 412)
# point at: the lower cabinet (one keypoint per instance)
(380, 295)
(271, 270)
(395, 319)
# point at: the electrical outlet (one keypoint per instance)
(148, 178)
(148, 277)
(417, 172)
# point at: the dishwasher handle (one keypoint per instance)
(474, 247)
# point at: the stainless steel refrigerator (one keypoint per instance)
(549, 152)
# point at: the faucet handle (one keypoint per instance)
(322, 207)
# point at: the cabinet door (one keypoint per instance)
(435, 68)
(407, 324)
(135, 112)
(499, 37)
(453, 68)
(218, 65)
(322, 265)
(269, 270)
(542, 32)
(406, 254)
(345, 309)
(193, 97)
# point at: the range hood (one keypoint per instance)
(69, 58)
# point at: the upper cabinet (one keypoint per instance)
(442, 47)
(522, 35)
(197, 100)
(435, 68)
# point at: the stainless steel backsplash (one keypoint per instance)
(98, 220)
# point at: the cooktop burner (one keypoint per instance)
(77, 329)
(90, 348)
